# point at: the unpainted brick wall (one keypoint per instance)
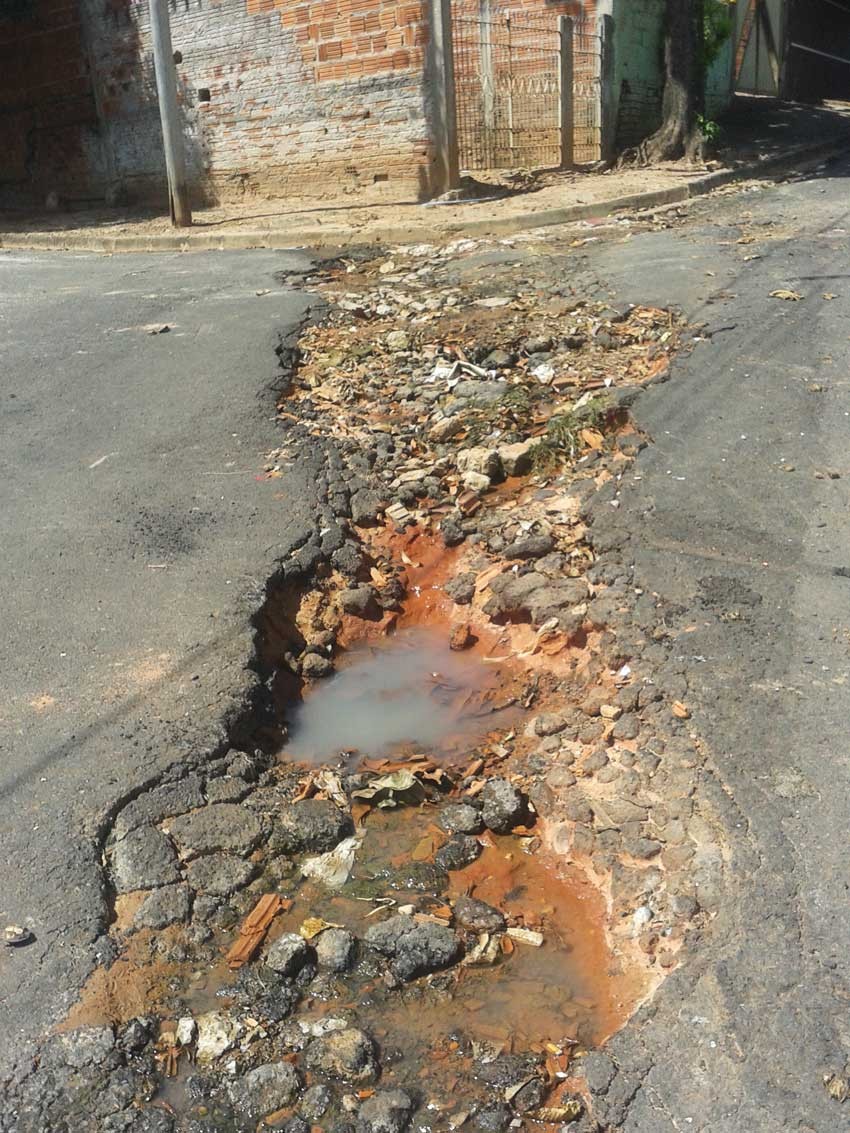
(49, 140)
(277, 97)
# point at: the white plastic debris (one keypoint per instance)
(334, 868)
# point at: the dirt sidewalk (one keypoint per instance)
(760, 136)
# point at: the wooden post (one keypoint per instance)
(607, 94)
(445, 116)
(567, 106)
(172, 137)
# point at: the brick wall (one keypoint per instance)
(49, 139)
(277, 96)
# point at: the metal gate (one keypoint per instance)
(507, 90)
(508, 69)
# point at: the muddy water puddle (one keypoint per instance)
(408, 689)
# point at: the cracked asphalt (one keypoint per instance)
(738, 513)
(135, 536)
(119, 594)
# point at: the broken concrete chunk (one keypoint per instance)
(460, 851)
(165, 906)
(217, 1032)
(529, 547)
(517, 459)
(219, 826)
(478, 915)
(220, 874)
(460, 818)
(144, 859)
(335, 949)
(288, 954)
(485, 461)
(359, 602)
(348, 1054)
(502, 806)
(414, 949)
(265, 1090)
(316, 825)
(387, 1111)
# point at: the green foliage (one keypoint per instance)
(709, 129)
(562, 439)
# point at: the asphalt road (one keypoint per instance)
(119, 594)
(732, 515)
(133, 527)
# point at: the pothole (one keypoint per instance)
(459, 838)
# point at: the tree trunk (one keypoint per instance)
(679, 134)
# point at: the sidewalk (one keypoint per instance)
(760, 136)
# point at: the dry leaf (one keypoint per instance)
(784, 293)
(593, 438)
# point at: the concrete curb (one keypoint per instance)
(247, 239)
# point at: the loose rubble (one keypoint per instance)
(474, 417)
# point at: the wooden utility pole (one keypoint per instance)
(172, 137)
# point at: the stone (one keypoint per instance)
(336, 949)
(219, 826)
(461, 637)
(478, 915)
(366, 506)
(494, 1119)
(314, 666)
(445, 429)
(414, 949)
(461, 588)
(627, 727)
(359, 602)
(398, 340)
(502, 806)
(288, 954)
(217, 1033)
(452, 531)
(312, 825)
(348, 1054)
(485, 461)
(315, 1102)
(143, 859)
(529, 547)
(135, 1035)
(186, 1030)
(549, 724)
(265, 1090)
(167, 905)
(517, 459)
(460, 818)
(220, 874)
(642, 848)
(476, 482)
(460, 851)
(387, 1111)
